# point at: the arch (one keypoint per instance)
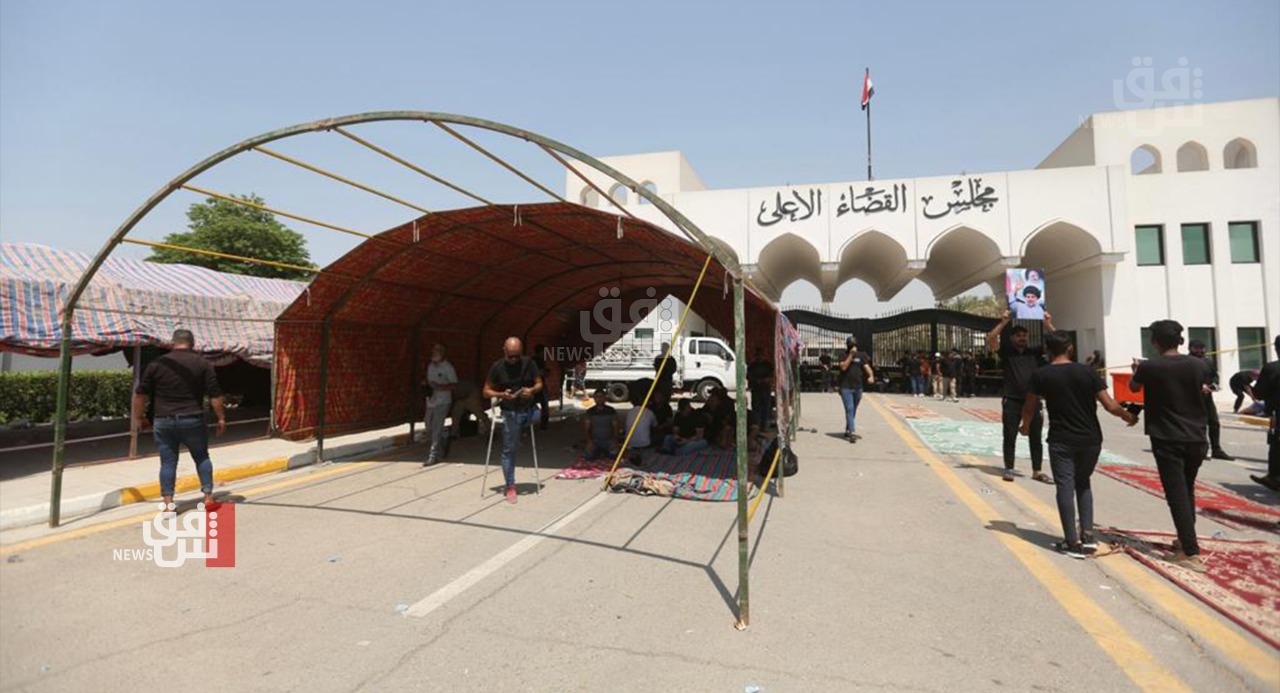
(958, 259)
(1239, 153)
(1192, 156)
(649, 186)
(589, 197)
(1145, 159)
(1059, 245)
(786, 259)
(619, 193)
(876, 258)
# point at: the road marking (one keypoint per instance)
(472, 577)
(1134, 660)
(134, 519)
(191, 482)
(1204, 625)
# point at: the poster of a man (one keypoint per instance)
(1025, 291)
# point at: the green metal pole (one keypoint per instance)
(324, 387)
(744, 554)
(60, 421)
(413, 384)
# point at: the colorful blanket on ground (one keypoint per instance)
(988, 415)
(1212, 501)
(1243, 580)
(911, 411)
(583, 468)
(710, 475)
(982, 439)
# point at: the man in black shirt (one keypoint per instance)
(688, 434)
(664, 375)
(760, 377)
(1241, 384)
(1019, 361)
(514, 381)
(177, 384)
(853, 368)
(1075, 439)
(949, 368)
(1175, 422)
(1197, 349)
(1267, 389)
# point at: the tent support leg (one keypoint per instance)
(133, 422)
(740, 368)
(60, 421)
(324, 388)
(413, 386)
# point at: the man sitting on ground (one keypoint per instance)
(600, 428)
(689, 430)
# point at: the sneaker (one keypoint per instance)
(1089, 542)
(855, 437)
(1193, 563)
(1267, 480)
(1042, 478)
(1222, 455)
(1008, 475)
(511, 495)
(1069, 550)
(430, 461)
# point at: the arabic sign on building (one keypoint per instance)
(963, 196)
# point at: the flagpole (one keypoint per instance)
(869, 140)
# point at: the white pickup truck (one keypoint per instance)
(702, 363)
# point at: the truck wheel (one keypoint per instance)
(704, 388)
(617, 392)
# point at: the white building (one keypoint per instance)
(1135, 216)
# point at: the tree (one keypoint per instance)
(987, 306)
(226, 227)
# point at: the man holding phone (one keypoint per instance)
(514, 381)
(853, 368)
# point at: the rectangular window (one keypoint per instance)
(1252, 342)
(1148, 351)
(1150, 245)
(1244, 241)
(1209, 336)
(644, 334)
(1195, 244)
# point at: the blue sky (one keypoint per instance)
(101, 103)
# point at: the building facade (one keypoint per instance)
(1136, 216)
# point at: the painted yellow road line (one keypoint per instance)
(1138, 664)
(191, 482)
(134, 519)
(1206, 626)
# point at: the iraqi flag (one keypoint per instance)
(867, 90)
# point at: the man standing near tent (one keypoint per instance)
(1198, 350)
(441, 381)
(1070, 390)
(1175, 422)
(514, 381)
(853, 368)
(177, 384)
(760, 377)
(1018, 361)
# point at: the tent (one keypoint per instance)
(132, 303)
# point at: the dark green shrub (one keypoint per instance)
(34, 396)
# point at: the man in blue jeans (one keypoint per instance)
(853, 368)
(177, 384)
(515, 382)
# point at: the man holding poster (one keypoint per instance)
(1024, 290)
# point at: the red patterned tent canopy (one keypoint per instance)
(469, 278)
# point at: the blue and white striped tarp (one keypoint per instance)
(135, 303)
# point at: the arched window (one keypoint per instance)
(1239, 153)
(1145, 159)
(619, 193)
(1192, 156)
(649, 186)
(589, 197)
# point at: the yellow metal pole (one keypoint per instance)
(340, 179)
(417, 169)
(497, 160)
(665, 358)
(277, 212)
(227, 256)
(765, 484)
(588, 181)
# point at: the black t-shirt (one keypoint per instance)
(1212, 365)
(947, 367)
(178, 382)
(1267, 388)
(1240, 381)
(508, 377)
(852, 377)
(1018, 367)
(969, 367)
(687, 425)
(1070, 391)
(1173, 407)
(661, 412)
(759, 374)
(665, 376)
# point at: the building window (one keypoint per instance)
(1192, 156)
(1150, 241)
(1195, 244)
(1244, 241)
(649, 187)
(1209, 336)
(1252, 342)
(1239, 153)
(644, 334)
(1148, 350)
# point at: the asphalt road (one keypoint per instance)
(885, 567)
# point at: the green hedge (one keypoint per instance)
(34, 396)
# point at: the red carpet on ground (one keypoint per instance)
(910, 411)
(988, 415)
(1243, 580)
(1212, 501)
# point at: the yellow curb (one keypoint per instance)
(1255, 420)
(151, 491)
